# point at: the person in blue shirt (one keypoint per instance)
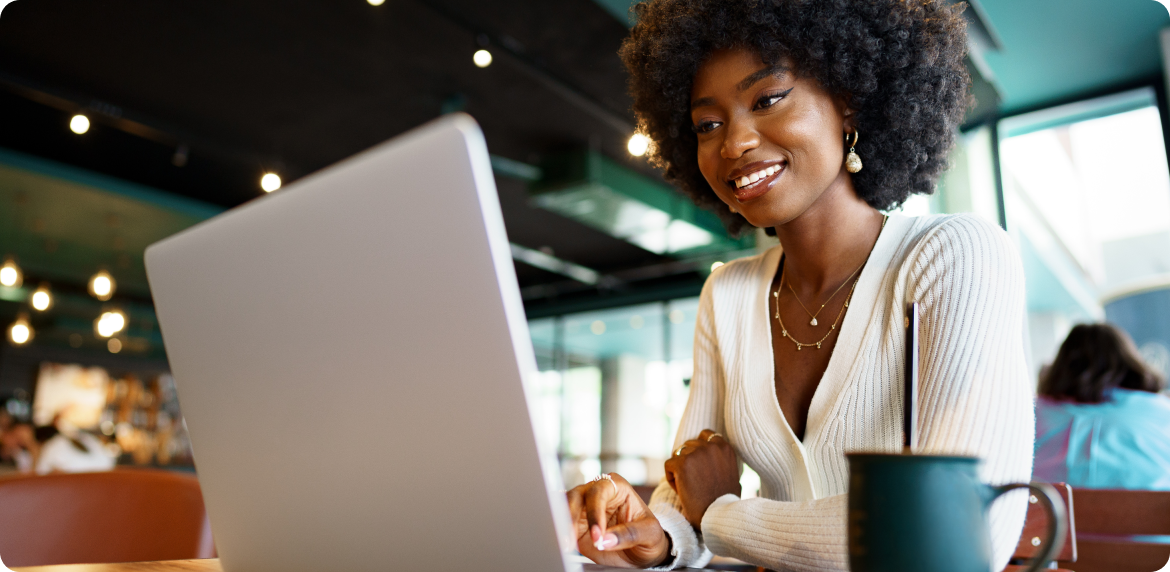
(1100, 421)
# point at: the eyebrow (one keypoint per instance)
(745, 84)
(751, 80)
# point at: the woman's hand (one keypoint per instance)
(614, 526)
(703, 470)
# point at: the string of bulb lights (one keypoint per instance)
(269, 182)
(101, 286)
(637, 145)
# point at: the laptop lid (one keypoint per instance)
(349, 355)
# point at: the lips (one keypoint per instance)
(755, 179)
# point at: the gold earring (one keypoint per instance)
(852, 161)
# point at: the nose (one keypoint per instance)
(741, 137)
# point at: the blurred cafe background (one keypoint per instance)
(123, 122)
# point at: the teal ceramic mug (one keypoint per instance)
(929, 513)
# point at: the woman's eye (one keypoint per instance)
(705, 126)
(770, 99)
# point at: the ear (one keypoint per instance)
(844, 104)
(849, 124)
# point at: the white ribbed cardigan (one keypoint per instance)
(975, 395)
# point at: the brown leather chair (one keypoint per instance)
(1036, 529)
(1118, 530)
(126, 515)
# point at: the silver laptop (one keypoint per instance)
(350, 354)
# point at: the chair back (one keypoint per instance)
(1122, 530)
(1036, 528)
(124, 515)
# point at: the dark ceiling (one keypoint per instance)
(251, 86)
(248, 86)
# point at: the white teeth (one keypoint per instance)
(755, 177)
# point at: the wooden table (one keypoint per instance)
(205, 565)
(212, 565)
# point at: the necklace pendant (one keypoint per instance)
(818, 345)
(813, 322)
(799, 346)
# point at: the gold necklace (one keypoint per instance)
(830, 299)
(784, 330)
(833, 327)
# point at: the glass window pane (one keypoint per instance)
(613, 386)
(1086, 190)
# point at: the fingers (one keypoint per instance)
(705, 435)
(670, 468)
(600, 498)
(638, 533)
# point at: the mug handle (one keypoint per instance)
(1057, 529)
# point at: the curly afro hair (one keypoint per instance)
(899, 64)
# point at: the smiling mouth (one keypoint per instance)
(754, 179)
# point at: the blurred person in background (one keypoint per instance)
(18, 445)
(66, 449)
(1100, 421)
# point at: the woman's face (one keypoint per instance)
(753, 120)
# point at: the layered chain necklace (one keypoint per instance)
(830, 299)
(832, 328)
(784, 330)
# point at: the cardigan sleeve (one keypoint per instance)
(704, 410)
(974, 393)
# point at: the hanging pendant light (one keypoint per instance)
(482, 58)
(102, 285)
(270, 182)
(109, 323)
(79, 124)
(10, 274)
(638, 144)
(41, 299)
(20, 332)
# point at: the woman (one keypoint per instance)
(18, 445)
(1100, 422)
(71, 451)
(753, 106)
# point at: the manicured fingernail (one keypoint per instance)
(607, 542)
(595, 534)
